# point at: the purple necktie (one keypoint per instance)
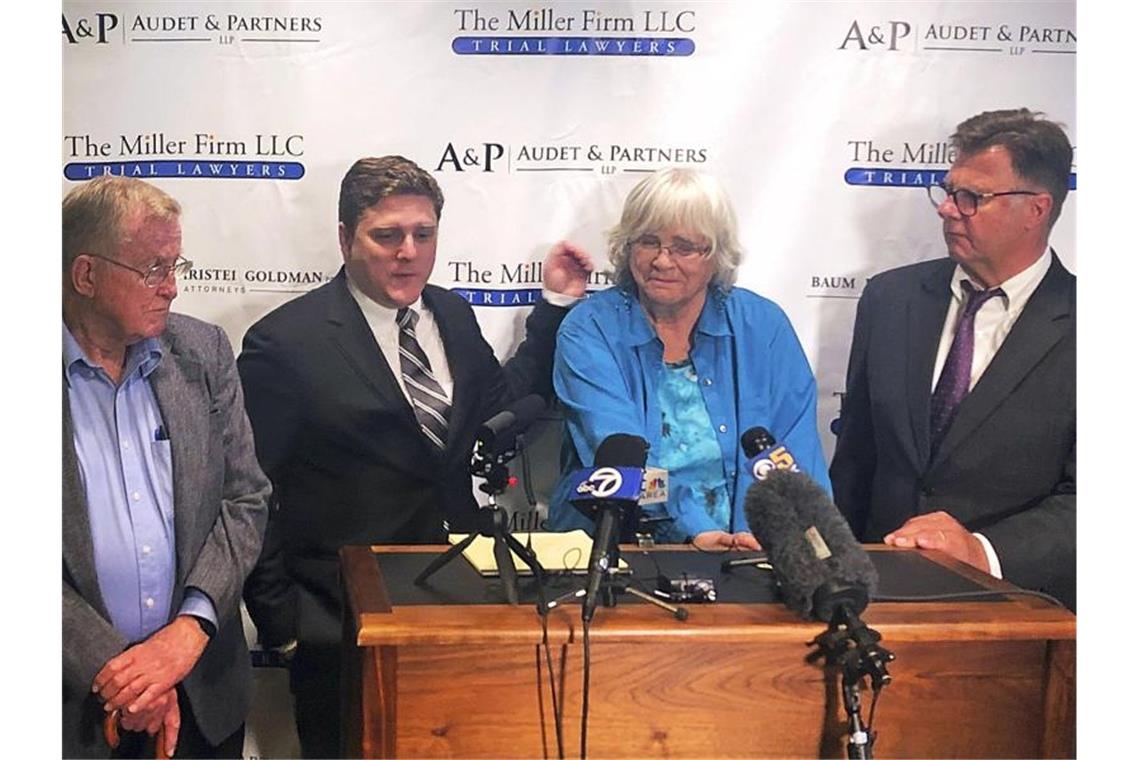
(954, 382)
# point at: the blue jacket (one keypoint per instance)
(609, 363)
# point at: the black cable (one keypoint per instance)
(959, 595)
(554, 701)
(656, 564)
(871, 717)
(585, 686)
(528, 487)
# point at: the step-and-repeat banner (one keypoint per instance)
(825, 120)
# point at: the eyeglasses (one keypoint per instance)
(681, 248)
(158, 273)
(966, 200)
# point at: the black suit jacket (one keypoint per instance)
(339, 440)
(1007, 466)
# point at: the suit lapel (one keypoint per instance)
(1046, 319)
(925, 318)
(78, 548)
(354, 340)
(179, 387)
(456, 345)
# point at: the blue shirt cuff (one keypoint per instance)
(198, 604)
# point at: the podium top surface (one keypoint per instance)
(457, 605)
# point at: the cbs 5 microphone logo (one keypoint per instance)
(775, 458)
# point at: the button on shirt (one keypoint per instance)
(124, 458)
(992, 324)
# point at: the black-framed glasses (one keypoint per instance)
(966, 200)
(680, 249)
(158, 273)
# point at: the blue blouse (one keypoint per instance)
(609, 370)
(689, 451)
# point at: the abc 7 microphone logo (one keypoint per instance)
(778, 458)
(602, 482)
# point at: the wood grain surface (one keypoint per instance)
(972, 679)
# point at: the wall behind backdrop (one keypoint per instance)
(824, 120)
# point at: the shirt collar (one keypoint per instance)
(1016, 289)
(713, 319)
(374, 311)
(142, 357)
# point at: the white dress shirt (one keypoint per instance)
(992, 324)
(382, 321)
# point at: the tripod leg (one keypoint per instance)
(444, 558)
(506, 565)
(526, 556)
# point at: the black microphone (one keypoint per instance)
(617, 450)
(765, 453)
(756, 439)
(819, 565)
(501, 430)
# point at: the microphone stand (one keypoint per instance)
(848, 642)
(613, 583)
(491, 521)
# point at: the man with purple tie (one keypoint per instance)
(958, 430)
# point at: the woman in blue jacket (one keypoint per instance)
(677, 355)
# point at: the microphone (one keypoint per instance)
(765, 453)
(497, 441)
(818, 563)
(501, 430)
(614, 485)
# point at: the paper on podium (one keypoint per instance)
(556, 552)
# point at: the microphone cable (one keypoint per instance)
(585, 687)
(555, 697)
(963, 595)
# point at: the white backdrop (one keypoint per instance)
(824, 120)
(780, 101)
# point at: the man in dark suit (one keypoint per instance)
(365, 395)
(958, 429)
(164, 504)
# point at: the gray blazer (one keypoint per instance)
(1007, 467)
(220, 496)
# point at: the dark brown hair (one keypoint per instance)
(372, 179)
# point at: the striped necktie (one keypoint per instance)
(954, 382)
(429, 402)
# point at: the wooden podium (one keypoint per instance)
(971, 679)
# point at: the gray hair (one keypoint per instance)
(96, 213)
(682, 197)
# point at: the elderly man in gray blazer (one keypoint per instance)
(164, 504)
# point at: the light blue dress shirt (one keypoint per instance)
(125, 465)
